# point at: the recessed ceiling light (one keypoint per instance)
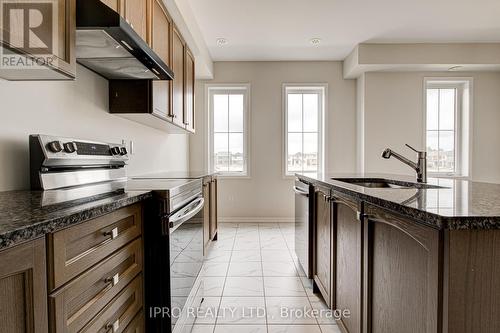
(315, 41)
(454, 68)
(222, 41)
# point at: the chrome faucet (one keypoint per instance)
(420, 167)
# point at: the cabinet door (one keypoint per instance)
(401, 274)
(213, 209)
(348, 280)
(23, 288)
(178, 81)
(113, 4)
(189, 92)
(161, 38)
(206, 216)
(323, 250)
(135, 13)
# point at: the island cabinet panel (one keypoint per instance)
(23, 289)
(348, 280)
(473, 281)
(323, 249)
(401, 274)
(206, 214)
(213, 209)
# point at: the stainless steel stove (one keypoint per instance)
(68, 169)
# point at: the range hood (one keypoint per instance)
(107, 45)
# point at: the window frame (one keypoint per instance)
(233, 88)
(463, 123)
(302, 88)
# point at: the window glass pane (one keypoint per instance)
(294, 112)
(447, 151)
(220, 113)
(432, 151)
(236, 158)
(221, 156)
(446, 109)
(432, 109)
(294, 158)
(310, 157)
(311, 112)
(236, 113)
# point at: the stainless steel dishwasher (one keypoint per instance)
(303, 225)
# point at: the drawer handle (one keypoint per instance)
(113, 233)
(113, 280)
(112, 327)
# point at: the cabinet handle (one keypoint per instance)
(113, 233)
(112, 327)
(113, 280)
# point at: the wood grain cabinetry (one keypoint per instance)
(178, 53)
(401, 274)
(23, 288)
(213, 209)
(348, 262)
(206, 214)
(135, 13)
(189, 80)
(58, 53)
(324, 253)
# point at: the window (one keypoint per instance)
(303, 110)
(446, 127)
(228, 109)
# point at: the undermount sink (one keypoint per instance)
(385, 183)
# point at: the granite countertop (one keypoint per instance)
(22, 217)
(459, 204)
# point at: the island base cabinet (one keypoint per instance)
(401, 274)
(472, 281)
(23, 289)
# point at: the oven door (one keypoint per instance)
(186, 257)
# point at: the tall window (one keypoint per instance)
(445, 123)
(303, 109)
(228, 108)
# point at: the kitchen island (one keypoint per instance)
(404, 258)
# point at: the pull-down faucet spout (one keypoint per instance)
(420, 167)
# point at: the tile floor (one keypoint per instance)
(249, 277)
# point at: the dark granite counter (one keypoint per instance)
(459, 204)
(23, 218)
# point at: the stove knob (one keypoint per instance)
(70, 147)
(115, 151)
(55, 146)
(123, 151)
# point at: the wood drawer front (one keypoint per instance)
(75, 249)
(137, 325)
(79, 301)
(120, 312)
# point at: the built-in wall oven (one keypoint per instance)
(173, 237)
(304, 196)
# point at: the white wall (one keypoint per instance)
(75, 109)
(394, 114)
(267, 194)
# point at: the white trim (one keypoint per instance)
(256, 219)
(209, 87)
(322, 120)
(463, 123)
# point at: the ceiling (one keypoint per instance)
(264, 30)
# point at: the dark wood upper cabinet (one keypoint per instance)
(348, 262)
(23, 288)
(178, 54)
(135, 13)
(323, 248)
(57, 54)
(189, 117)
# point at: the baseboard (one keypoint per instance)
(256, 219)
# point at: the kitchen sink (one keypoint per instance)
(385, 183)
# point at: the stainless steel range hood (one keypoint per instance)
(107, 45)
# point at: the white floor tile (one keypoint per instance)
(206, 313)
(211, 268)
(330, 329)
(243, 286)
(198, 329)
(246, 245)
(245, 269)
(245, 256)
(276, 255)
(283, 286)
(242, 310)
(211, 286)
(218, 256)
(294, 329)
(289, 310)
(241, 329)
(279, 269)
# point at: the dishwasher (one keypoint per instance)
(303, 225)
